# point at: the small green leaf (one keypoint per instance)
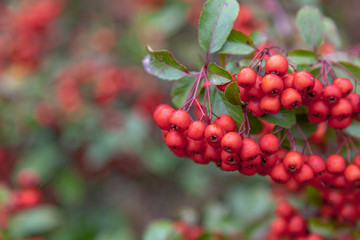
(216, 21)
(163, 65)
(238, 43)
(232, 93)
(38, 220)
(218, 75)
(284, 118)
(160, 230)
(311, 25)
(222, 106)
(181, 90)
(331, 32)
(302, 57)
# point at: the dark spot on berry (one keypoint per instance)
(213, 138)
(332, 99)
(294, 105)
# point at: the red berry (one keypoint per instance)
(290, 98)
(231, 142)
(352, 174)
(335, 164)
(288, 80)
(179, 120)
(345, 85)
(230, 158)
(194, 146)
(161, 117)
(270, 105)
(317, 164)
(339, 123)
(304, 81)
(269, 144)
(249, 149)
(354, 99)
(253, 107)
(305, 174)
(332, 94)
(279, 174)
(199, 158)
(176, 140)
(342, 109)
(213, 135)
(229, 167)
(316, 92)
(318, 111)
(268, 161)
(297, 225)
(212, 154)
(272, 85)
(284, 210)
(246, 77)
(255, 91)
(293, 161)
(226, 122)
(196, 130)
(276, 64)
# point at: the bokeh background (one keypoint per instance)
(80, 157)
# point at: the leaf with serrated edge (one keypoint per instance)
(238, 43)
(218, 75)
(311, 25)
(162, 64)
(216, 21)
(232, 93)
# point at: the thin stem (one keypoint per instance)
(293, 67)
(305, 138)
(292, 140)
(352, 144)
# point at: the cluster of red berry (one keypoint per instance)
(25, 31)
(333, 102)
(187, 231)
(219, 142)
(289, 224)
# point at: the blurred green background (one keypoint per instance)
(80, 156)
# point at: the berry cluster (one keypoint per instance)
(25, 32)
(187, 231)
(266, 95)
(289, 224)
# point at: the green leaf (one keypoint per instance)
(162, 64)
(218, 75)
(233, 67)
(302, 57)
(307, 128)
(168, 19)
(181, 90)
(255, 124)
(331, 32)
(216, 21)
(353, 129)
(353, 69)
(284, 118)
(38, 220)
(160, 230)
(238, 43)
(259, 38)
(222, 106)
(310, 23)
(43, 159)
(232, 93)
